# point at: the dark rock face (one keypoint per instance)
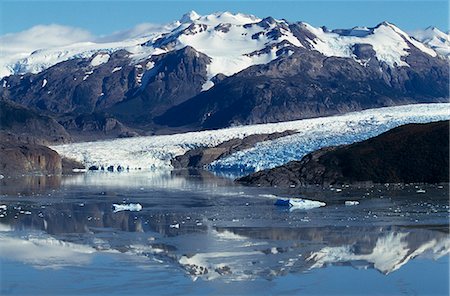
(176, 77)
(27, 125)
(75, 91)
(309, 84)
(413, 153)
(20, 158)
(201, 157)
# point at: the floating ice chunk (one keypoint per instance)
(299, 203)
(351, 202)
(421, 191)
(304, 204)
(3, 207)
(44, 82)
(175, 225)
(127, 207)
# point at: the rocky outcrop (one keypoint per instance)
(413, 153)
(201, 157)
(18, 157)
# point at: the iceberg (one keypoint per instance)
(127, 207)
(304, 204)
(351, 202)
(299, 203)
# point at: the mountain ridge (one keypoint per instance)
(229, 69)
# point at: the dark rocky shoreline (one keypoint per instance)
(413, 153)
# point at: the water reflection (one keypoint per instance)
(29, 184)
(204, 250)
(208, 228)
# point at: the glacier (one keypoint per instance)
(156, 152)
(329, 131)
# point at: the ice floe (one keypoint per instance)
(127, 207)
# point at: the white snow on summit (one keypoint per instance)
(219, 18)
(435, 39)
(387, 40)
(233, 41)
(156, 152)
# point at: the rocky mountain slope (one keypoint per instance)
(410, 153)
(26, 125)
(226, 69)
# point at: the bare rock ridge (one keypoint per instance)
(201, 157)
(413, 153)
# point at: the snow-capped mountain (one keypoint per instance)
(233, 39)
(435, 39)
(226, 69)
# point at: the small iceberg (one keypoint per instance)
(299, 203)
(127, 207)
(421, 191)
(351, 202)
(175, 225)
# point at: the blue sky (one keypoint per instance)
(104, 17)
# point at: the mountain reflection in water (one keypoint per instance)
(209, 228)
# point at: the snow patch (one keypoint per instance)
(207, 85)
(116, 69)
(99, 59)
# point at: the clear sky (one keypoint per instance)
(104, 17)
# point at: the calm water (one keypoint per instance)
(200, 234)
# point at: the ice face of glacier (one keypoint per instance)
(156, 152)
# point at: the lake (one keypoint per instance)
(201, 234)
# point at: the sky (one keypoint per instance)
(105, 17)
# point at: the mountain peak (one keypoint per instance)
(189, 17)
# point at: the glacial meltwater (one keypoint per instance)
(191, 233)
